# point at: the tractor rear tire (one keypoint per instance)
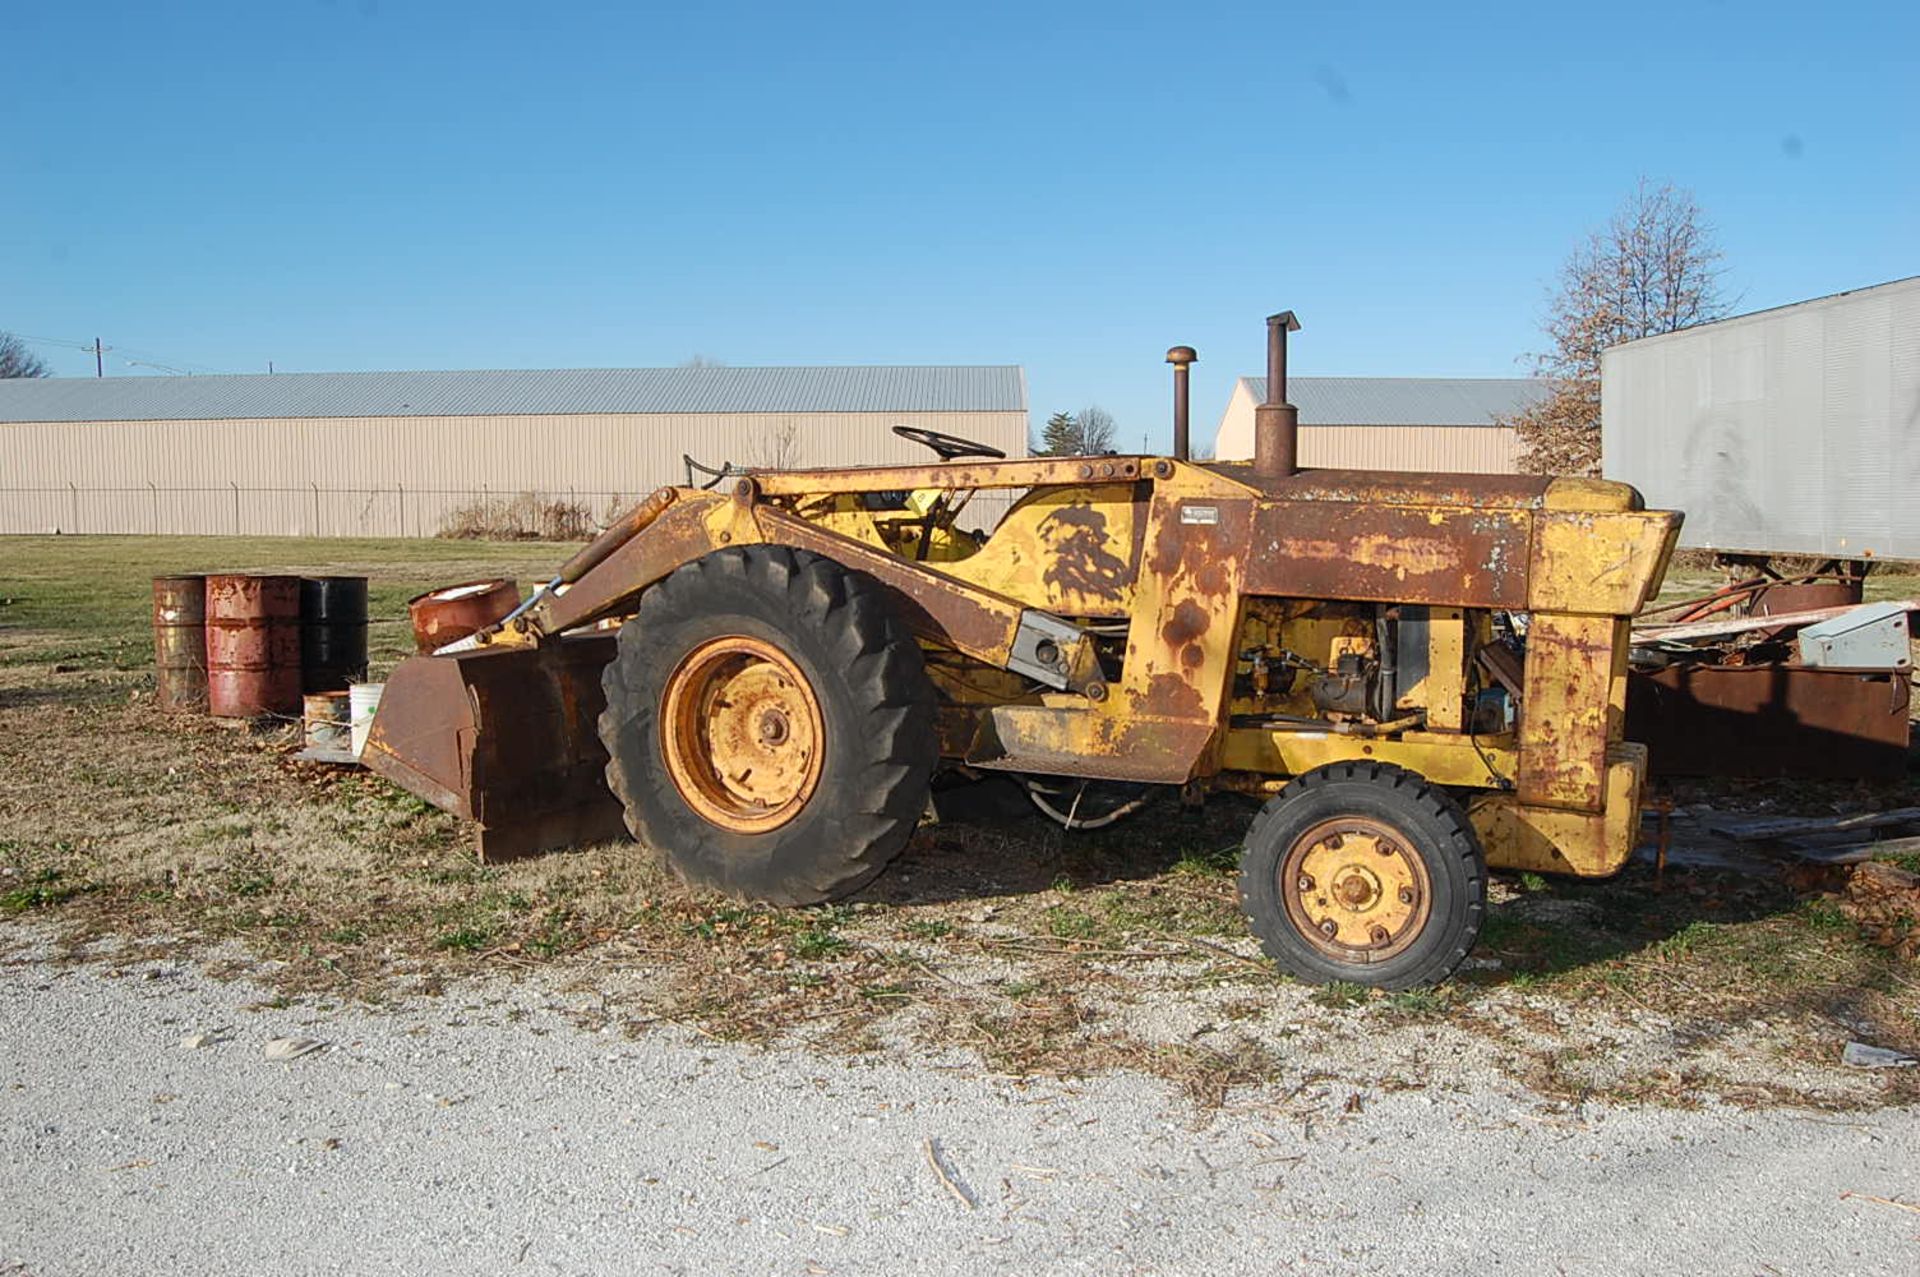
(1365, 873)
(770, 725)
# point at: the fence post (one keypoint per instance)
(74, 493)
(155, 492)
(236, 506)
(403, 508)
(316, 506)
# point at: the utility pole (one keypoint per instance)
(99, 364)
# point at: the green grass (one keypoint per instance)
(88, 599)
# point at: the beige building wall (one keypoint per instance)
(400, 476)
(1426, 449)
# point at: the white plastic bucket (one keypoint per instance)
(362, 700)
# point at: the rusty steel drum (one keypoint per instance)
(333, 632)
(180, 643)
(453, 612)
(1778, 600)
(253, 646)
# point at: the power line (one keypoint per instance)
(99, 350)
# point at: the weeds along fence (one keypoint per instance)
(312, 510)
(316, 510)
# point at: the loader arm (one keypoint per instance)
(686, 523)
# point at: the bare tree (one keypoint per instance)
(1087, 434)
(704, 361)
(1096, 430)
(1652, 269)
(775, 447)
(16, 360)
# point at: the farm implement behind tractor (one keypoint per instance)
(1422, 674)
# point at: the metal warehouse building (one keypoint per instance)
(395, 453)
(1432, 424)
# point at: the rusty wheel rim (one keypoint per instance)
(742, 734)
(1355, 890)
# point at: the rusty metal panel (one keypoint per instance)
(1597, 562)
(507, 738)
(1771, 720)
(1362, 551)
(1371, 487)
(1566, 716)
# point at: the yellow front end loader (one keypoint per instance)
(1423, 675)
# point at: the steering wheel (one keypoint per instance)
(950, 447)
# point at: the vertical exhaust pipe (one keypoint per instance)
(1181, 357)
(1276, 423)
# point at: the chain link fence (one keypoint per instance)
(315, 510)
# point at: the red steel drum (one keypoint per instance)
(253, 646)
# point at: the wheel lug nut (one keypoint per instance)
(1329, 928)
(1335, 842)
(1378, 935)
(1306, 883)
(1406, 895)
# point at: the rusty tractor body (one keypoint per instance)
(1425, 674)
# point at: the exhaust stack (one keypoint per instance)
(1181, 357)
(1276, 423)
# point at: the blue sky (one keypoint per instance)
(386, 184)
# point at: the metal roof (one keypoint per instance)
(1405, 401)
(496, 393)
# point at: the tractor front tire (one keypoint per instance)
(1366, 873)
(769, 725)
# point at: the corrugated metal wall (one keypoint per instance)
(1789, 431)
(1418, 449)
(401, 476)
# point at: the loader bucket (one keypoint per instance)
(505, 738)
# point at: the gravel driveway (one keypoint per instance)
(483, 1132)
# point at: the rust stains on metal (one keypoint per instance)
(253, 646)
(1027, 473)
(1375, 487)
(454, 612)
(504, 737)
(1188, 622)
(677, 535)
(1567, 719)
(180, 643)
(1771, 720)
(1390, 554)
(624, 530)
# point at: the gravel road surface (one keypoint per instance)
(484, 1132)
